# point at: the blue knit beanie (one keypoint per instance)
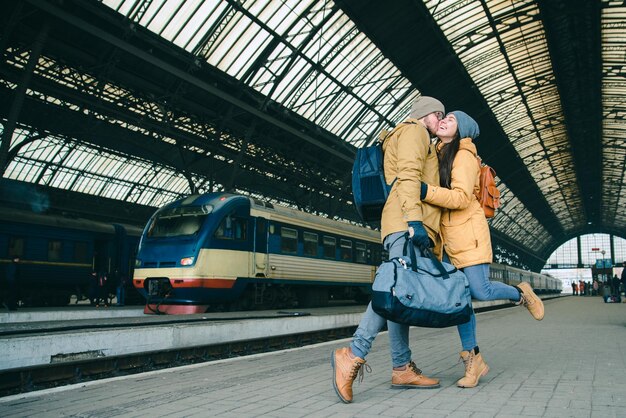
(468, 128)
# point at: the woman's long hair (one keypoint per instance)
(446, 155)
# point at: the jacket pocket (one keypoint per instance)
(453, 218)
(459, 238)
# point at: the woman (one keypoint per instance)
(465, 232)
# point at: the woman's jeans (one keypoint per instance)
(371, 323)
(481, 288)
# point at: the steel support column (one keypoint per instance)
(18, 97)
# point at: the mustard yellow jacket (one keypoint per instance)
(464, 228)
(409, 159)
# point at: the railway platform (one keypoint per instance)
(68, 313)
(571, 364)
(38, 337)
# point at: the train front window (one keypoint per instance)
(180, 221)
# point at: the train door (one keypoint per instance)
(260, 254)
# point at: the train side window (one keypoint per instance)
(310, 244)
(288, 241)
(80, 252)
(361, 252)
(232, 228)
(54, 250)
(346, 249)
(330, 244)
(16, 247)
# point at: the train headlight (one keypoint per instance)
(137, 262)
(187, 261)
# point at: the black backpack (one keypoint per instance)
(369, 188)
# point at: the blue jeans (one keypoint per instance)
(481, 288)
(371, 323)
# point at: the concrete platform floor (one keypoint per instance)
(571, 364)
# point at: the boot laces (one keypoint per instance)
(467, 362)
(357, 370)
(415, 369)
(526, 301)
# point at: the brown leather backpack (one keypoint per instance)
(488, 194)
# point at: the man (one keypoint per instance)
(623, 278)
(103, 290)
(409, 159)
(615, 285)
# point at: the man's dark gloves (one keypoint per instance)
(423, 191)
(420, 236)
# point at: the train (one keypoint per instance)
(542, 284)
(234, 252)
(58, 254)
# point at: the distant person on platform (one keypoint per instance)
(121, 288)
(103, 290)
(624, 278)
(574, 288)
(13, 277)
(615, 286)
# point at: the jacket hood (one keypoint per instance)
(467, 144)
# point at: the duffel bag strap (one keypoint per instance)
(410, 248)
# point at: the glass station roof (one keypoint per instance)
(66, 164)
(503, 47)
(306, 55)
(310, 57)
(614, 111)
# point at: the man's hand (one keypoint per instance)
(418, 234)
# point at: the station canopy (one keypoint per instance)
(145, 101)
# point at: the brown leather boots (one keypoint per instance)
(531, 301)
(475, 368)
(412, 377)
(345, 370)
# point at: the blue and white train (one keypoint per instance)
(221, 250)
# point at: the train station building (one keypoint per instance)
(180, 233)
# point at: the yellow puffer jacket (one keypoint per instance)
(464, 228)
(410, 158)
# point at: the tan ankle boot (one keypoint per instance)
(345, 370)
(475, 368)
(531, 301)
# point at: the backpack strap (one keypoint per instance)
(480, 164)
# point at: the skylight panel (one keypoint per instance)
(614, 111)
